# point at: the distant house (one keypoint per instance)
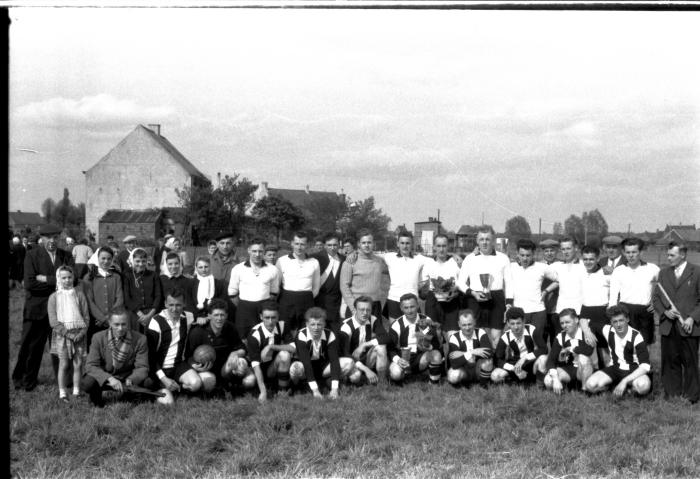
(425, 232)
(141, 172)
(690, 237)
(465, 238)
(144, 224)
(21, 222)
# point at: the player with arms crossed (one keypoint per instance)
(470, 356)
(518, 350)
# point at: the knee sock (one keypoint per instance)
(434, 372)
(283, 380)
(484, 377)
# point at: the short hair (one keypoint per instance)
(300, 234)
(568, 312)
(331, 235)
(117, 311)
(682, 247)
(364, 232)
(113, 244)
(110, 237)
(362, 299)
(257, 240)
(139, 253)
(172, 255)
(348, 240)
(175, 292)
(405, 234)
(271, 247)
(618, 309)
(269, 306)
(568, 239)
(463, 313)
(515, 313)
(407, 296)
(440, 235)
(204, 258)
(315, 312)
(526, 244)
(217, 303)
(633, 241)
(211, 242)
(485, 229)
(588, 249)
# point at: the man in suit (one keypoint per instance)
(613, 254)
(118, 359)
(329, 296)
(40, 266)
(679, 324)
(123, 256)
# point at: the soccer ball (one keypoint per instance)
(204, 353)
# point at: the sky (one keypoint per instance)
(477, 114)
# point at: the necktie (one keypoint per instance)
(677, 271)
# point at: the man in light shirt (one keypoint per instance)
(485, 280)
(405, 269)
(596, 294)
(442, 306)
(301, 281)
(361, 275)
(632, 285)
(252, 283)
(528, 293)
(569, 275)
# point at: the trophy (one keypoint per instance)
(486, 280)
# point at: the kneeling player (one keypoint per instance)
(363, 339)
(317, 349)
(270, 351)
(517, 350)
(470, 352)
(230, 365)
(629, 357)
(415, 344)
(569, 361)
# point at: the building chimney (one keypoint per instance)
(155, 128)
(307, 189)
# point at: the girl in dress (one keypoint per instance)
(69, 317)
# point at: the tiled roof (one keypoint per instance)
(131, 216)
(300, 198)
(465, 230)
(22, 218)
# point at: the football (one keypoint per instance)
(204, 354)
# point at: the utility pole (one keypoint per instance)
(539, 233)
(629, 229)
(482, 218)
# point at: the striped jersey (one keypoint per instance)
(259, 337)
(577, 344)
(325, 349)
(352, 333)
(459, 342)
(167, 340)
(509, 349)
(404, 334)
(629, 352)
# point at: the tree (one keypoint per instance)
(595, 227)
(558, 229)
(517, 228)
(232, 198)
(278, 214)
(47, 208)
(325, 213)
(363, 214)
(63, 211)
(573, 226)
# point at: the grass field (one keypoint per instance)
(411, 431)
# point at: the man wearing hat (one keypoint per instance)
(613, 254)
(549, 256)
(40, 266)
(224, 258)
(122, 258)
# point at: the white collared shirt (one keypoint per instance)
(527, 286)
(496, 264)
(445, 269)
(570, 278)
(404, 273)
(678, 270)
(251, 285)
(596, 288)
(300, 274)
(633, 286)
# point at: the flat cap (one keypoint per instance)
(226, 234)
(129, 239)
(612, 239)
(548, 243)
(49, 230)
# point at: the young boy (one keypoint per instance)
(269, 350)
(569, 361)
(363, 339)
(317, 350)
(629, 357)
(415, 343)
(517, 350)
(470, 357)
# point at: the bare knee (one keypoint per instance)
(434, 356)
(498, 375)
(208, 380)
(396, 372)
(355, 376)
(346, 366)
(455, 376)
(249, 381)
(642, 385)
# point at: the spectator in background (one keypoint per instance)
(17, 254)
(271, 254)
(81, 255)
(174, 245)
(348, 246)
(142, 292)
(122, 258)
(173, 278)
(224, 259)
(103, 289)
(159, 252)
(205, 287)
(70, 243)
(613, 254)
(211, 247)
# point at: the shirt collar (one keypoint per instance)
(492, 253)
(248, 264)
(465, 339)
(399, 255)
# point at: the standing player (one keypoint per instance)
(630, 366)
(632, 284)
(269, 350)
(549, 256)
(595, 297)
(301, 280)
(569, 275)
(317, 350)
(404, 274)
(470, 357)
(361, 275)
(517, 350)
(486, 281)
(363, 338)
(569, 361)
(415, 344)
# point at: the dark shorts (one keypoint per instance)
(489, 314)
(178, 370)
(595, 315)
(293, 306)
(392, 309)
(529, 368)
(616, 374)
(247, 316)
(444, 312)
(642, 320)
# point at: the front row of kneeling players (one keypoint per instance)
(364, 351)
